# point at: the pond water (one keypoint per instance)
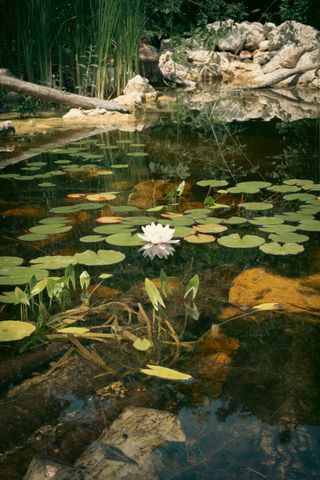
(253, 412)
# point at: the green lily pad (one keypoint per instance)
(113, 228)
(105, 172)
(255, 184)
(266, 221)
(303, 197)
(158, 208)
(13, 330)
(120, 165)
(234, 220)
(205, 220)
(46, 184)
(31, 169)
(77, 208)
(62, 162)
(92, 239)
(181, 232)
(50, 229)
(244, 189)
(256, 205)
(20, 275)
(142, 344)
(124, 208)
(137, 154)
(177, 222)
(32, 237)
(37, 164)
(138, 145)
(198, 212)
(274, 248)
(124, 239)
(107, 147)
(297, 181)
(102, 257)
(138, 220)
(278, 228)
(10, 261)
(126, 141)
(295, 216)
(235, 241)
(283, 188)
(312, 187)
(54, 220)
(54, 262)
(288, 238)
(212, 183)
(309, 226)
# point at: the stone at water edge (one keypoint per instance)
(6, 129)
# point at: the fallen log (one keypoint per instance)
(13, 84)
(273, 78)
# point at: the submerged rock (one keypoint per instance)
(257, 285)
(6, 129)
(130, 447)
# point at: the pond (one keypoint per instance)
(243, 200)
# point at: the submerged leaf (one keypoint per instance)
(166, 373)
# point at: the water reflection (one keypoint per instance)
(161, 250)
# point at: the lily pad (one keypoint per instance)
(266, 221)
(198, 212)
(310, 226)
(302, 197)
(107, 147)
(181, 232)
(124, 239)
(243, 189)
(10, 261)
(210, 228)
(283, 188)
(109, 219)
(50, 229)
(113, 228)
(13, 330)
(142, 344)
(105, 172)
(212, 183)
(200, 238)
(102, 257)
(206, 220)
(124, 208)
(297, 181)
(101, 196)
(92, 239)
(138, 220)
(288, 238)
(76, 208)
(20, 275)
(120, 165)
(53, 262)
(137, 154)
(124, 141)
(62, 162)
(46, 184)
(54, 220)
(234, 220)
(315, 187)
(32, 237)
(256, 206)
(177, 222)
(235, 241)
(254, 184)
(295, 216)
(278, 228)
(275, 248)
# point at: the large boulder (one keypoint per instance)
(173, 71)
(6, 129)
(287, 57)
(293, 32)
(255, 34)
(230, 36)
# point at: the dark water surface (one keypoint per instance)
(262, 419)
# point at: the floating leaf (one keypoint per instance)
(315, 187)
(54, 220)
(256, 205)
(278, 228)
(166, 373)
(209, 220)
(210, 228)
(274, 248)
(200, 238)
(92, 239)
(73, 330)
(142, 344)
(120, 165)
(137, 154)
(212, 183)
(125, 141)
(182, 232)
(267, 306)
(32, 237)
(158, 208)
(124, 239)
(13, 330)
(76, 208)
(302, 197)
(107, 147)
(101, 196)
(266, 221)
(6, 262)
(20, 275)
(46, 184)
(310, 226)
(288, 238)
(254, 184)
(50, 229)
(177, 222)
(138, 220)
(102, 257)
(153, 294)
(283, 188)
(297, 181)
(124, 208)
(234, 220)
(198, 212)
(192, 287)
(235, 241)
(295, 216)
(111, 229)
(105, 172)
(138, 145)
(109, 219)
(53, 262)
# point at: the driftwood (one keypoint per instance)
(13, 84)
(275, 77)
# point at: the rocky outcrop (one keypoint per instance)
(246, 54)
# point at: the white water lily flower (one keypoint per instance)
(158, 234)
(162, 250)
